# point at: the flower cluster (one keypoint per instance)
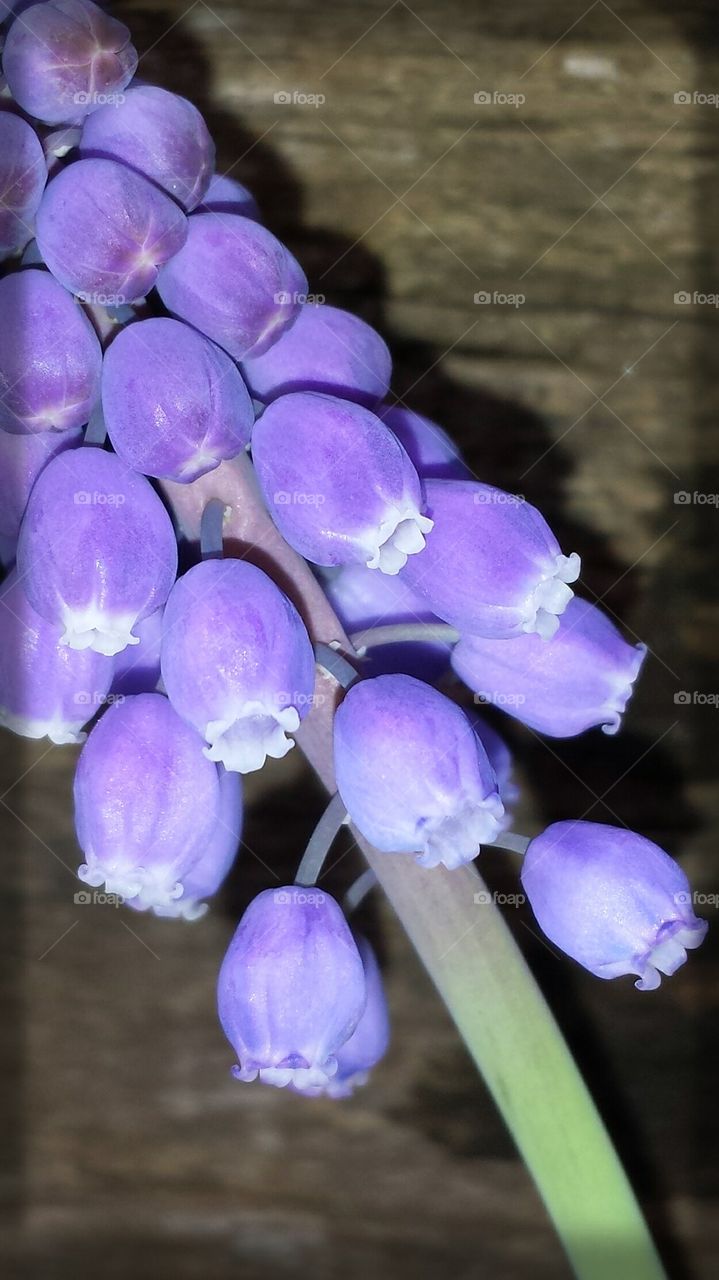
(155, 330)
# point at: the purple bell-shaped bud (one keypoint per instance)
(22, 181)
(612, 900)
(433, 452)
(22, 458)
(368, 1043)
(413, 774)
(291, 988)
(493, 565)
(338, 483)
(227, 195)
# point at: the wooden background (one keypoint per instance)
(129, 1149)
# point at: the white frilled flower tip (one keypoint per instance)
(147, 889)
(93, 628)
(668, 954)
(458, 838)
(243, 742)
(296, 1071)
(58, 730)
(401, 534)
(551, 596)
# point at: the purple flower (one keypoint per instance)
(327, 350)
(46, 689)
(237, 662)
(22, 181)
(50, 358)
(22, 458)
(226, 195)
(291, 988)
(412, 772)
(493, 565)
(233, 281)
(127, 228)
(612, 900)
(97, 551)
(137, 668)
(158, 134)
(338, 483)
(500, 758)
(64, 57)
(433, 452)
(146, 801)
(583, 676)
(370, 1038)
(175, 404)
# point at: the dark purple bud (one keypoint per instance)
(22, 182)
(234, 282)
(612, 900)
(175, 405)
(158, 134)
(226, 195)
(291, 988)
(583, 676)
(493, 565)
(50, 358)
(64, 58)
(127, 228)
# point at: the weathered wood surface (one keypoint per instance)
(404, 198)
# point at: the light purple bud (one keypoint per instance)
(413, 774)
(237, 662)
(146, 801)
(291, 988)
(433, 452)
(158, 134)
(583, 676)
(233, 281)
(226, 195)
(500, 758)
(137, 668)
(22, 182)
(63, 58)
(127, 228)
(50, 358)
(328, 350)
(175, 404)
(362, 598)
(612, 900)
(370, 1038)
(338, 483)
(97, 551)
(46, 689)
(22, 458)
(493, 565)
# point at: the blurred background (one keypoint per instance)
(523, 199)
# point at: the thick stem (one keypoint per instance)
(468, 950)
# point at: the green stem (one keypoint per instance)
(468, 951)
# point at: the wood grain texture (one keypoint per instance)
(595, 199)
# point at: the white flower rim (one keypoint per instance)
(617, 704)
(401, 534)
(243, 742)
(550, 597)
(456, 838)
(94, 628)
(57, 730)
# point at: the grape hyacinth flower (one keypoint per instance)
(22, 181)
(227, 195)
(50, 358)
(127, 227)
(368, 1043)
(492, 566)
(46, 689)
(328, 350)
(413, 774)
(22, 458)
(583, 676)
(234, 281)
(65, 57)
(175, 404)
(237, 662)
(612, 900)
(338, 483)
(146, 801)
(432, 451)
(500, 758)
(291, 988)
(158, 134)
(97, 551)
(137, 667)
